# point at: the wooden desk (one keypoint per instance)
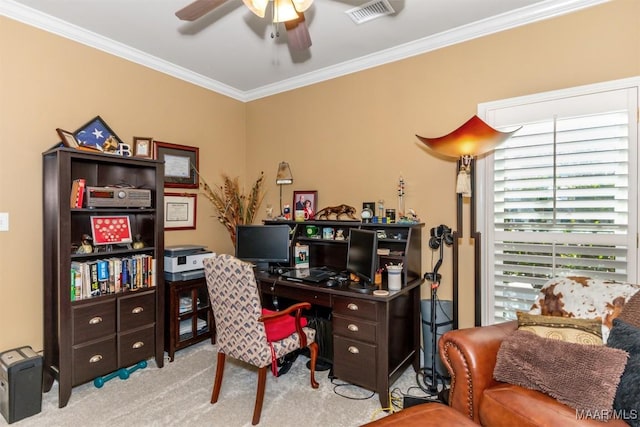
(374, 338)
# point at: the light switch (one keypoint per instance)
(4, 221)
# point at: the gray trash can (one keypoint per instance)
(444, 323)
(20, 383)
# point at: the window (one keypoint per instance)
(559, 197)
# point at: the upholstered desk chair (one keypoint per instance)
(240, 324)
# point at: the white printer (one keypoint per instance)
(184, 262)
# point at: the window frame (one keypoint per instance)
(484, 182)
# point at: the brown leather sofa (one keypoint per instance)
(470, 356)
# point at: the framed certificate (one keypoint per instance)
(180, 164)
(180, 211)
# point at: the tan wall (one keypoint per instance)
(48, 82)
(349, 138)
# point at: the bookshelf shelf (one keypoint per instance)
(89, 332)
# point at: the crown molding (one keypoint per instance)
(538, 12)
(43, 21)
(534, 13)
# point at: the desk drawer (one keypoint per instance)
(297, 294)
(136, 310)
(354, 328)
(93, 320)
(355, 362)
(353, 307)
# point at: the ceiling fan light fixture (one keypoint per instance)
(298, 34)
(258, 7)
(302, 5)
(284, 10)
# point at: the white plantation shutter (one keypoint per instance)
(560, 196)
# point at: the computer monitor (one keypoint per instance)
(263, 244)
(362, 258)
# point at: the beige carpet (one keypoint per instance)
(179, 394)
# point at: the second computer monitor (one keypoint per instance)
(362, 258)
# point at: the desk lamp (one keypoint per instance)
(283, 177)
(473, 138)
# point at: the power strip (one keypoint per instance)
(409, 401)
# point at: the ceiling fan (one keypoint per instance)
(290, 12)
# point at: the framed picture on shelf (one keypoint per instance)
(142, 147)
(67, 138)
(305, 205)
(97, 134)
(180, 211)
(109, 230)
(180, 164)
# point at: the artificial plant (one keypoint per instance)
(233, 207)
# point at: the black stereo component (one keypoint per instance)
(115, 197)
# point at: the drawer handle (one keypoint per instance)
(353, 307)
(138, 344)
(353, 349)
(352, 327)
(95, 320)
(137, 310)
(96, 358)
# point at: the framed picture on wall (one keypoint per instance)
(180, 164)
(180, 211)
(305, 204)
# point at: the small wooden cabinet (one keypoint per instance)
(189, 318)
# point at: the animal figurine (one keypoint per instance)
(110, 145)
(338, 211)
(86, 247)
(137, 242)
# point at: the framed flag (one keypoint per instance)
(97, 134)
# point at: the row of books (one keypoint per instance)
(113, 275)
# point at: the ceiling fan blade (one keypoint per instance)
(298, 35)
(198, 8)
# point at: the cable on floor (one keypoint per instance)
(336, 386)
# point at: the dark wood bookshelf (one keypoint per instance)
(92, 337)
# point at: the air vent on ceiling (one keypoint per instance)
(368, 11)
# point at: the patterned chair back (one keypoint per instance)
(236, 307)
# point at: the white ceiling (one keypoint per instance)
(231, 51)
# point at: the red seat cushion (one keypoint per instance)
(280, 328)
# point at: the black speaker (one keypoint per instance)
(440, 234)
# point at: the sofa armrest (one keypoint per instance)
(470, 357)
